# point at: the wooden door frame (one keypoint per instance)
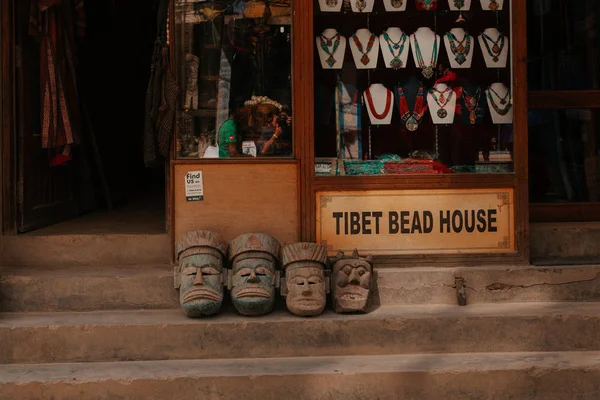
(311, 184)
(8, 177)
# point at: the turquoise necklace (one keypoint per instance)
(396, 62)
(328, 42)
(459, 48)
(428, 70)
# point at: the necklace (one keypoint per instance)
(494, 6)
(361, 5)
(365, 58)
(427, 70)
(442, 101)
(412, 118)
(331, 3)
(498, 45)
(396, 3)
(399, 46)
(472, 104)
(426, 5)
(504, 101)
(388, 104)
(459, 48)
(459, 4)
(328, 42)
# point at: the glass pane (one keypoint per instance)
(235, 72)
(400, 89)
(563, 155)
(563, 44)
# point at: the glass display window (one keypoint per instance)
(413, 87)
(234, 68)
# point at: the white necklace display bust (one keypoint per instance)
(492, 5)
(363, 36)
(338, 55)
(379, 100)
(499, 101)
(362, 6)
(494, 49)
(331, 5)
(395, 5)
(443, 109)
(394, 55)
(459, 34)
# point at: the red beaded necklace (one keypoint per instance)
(388, 104)
(412, 118)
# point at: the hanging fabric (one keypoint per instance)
(348, 110)
(57, 23)
(161, 96)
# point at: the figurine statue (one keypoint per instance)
(192, 64)
(254, 275)
(351, 282)
(305, 284)
(200, 276)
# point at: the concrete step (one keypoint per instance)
(168, 334)
(105, 287)
(548, 376)
(88, 288)
(86, 250)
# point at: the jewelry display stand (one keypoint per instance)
(494, 47)
(426, 47)
(395, 5)
(460, 48)
(331, 5)
(453, 4)
(492, 5)
(379, 102)
(365, 49)
(362, 6)
(395, 46)
(331, 47)
(499, 100)
(441, 100)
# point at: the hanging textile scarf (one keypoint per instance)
(56, 23)
(348, 110)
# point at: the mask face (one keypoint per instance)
(253, 291)
(351, 284)
(201, 279)
(306, 291)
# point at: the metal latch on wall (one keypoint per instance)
(461, 294)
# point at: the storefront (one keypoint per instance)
(395, 127)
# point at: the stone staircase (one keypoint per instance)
(80, 322)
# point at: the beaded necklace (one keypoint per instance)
(442, 101)
(494, 6)
(325, 43)
(396, 3)
(365, 58)
(498, 45)
(388, 104)
(504, 101)
(412, 118)
(399, 46)
(427, 70)
(426, 5)
(361, 5)
(472, 104)
(459, 48)
(331, 3)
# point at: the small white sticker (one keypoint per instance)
(194, 188)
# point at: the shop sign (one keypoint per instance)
(194, 187)
(417, 221)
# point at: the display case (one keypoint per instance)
(234, 68)
(413, 87)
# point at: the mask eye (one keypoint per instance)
(347, 270)
(298, 282)
(244, 272)
(314, 280)
(190, 270)
(210, 270)
(362, 271)
(262, 271)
